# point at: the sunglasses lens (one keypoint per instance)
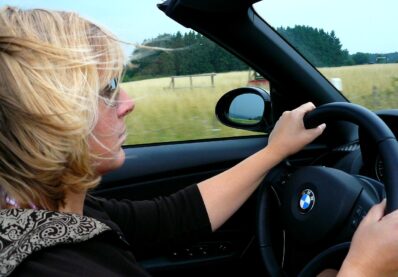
(109, 93)
(113, 83)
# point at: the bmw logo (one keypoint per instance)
(307, 201)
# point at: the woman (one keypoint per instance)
(62, 120)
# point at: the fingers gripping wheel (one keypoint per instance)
(321, 188)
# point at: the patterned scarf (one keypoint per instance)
(24, 231)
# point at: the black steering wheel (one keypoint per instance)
(321, 207)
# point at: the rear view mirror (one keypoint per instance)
(246, 108)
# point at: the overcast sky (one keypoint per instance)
(374, 31)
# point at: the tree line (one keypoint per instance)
(192, 53)
(182, 54)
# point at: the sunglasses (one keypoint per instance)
(110, 93)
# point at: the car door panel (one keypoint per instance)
(162, 169)
(158, 166)
(155, 170)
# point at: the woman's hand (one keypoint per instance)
(374, 248)
(289, 134)
(224, 193)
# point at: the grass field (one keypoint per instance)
(164, 114)
(365, 84)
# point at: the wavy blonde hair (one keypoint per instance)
(52, 67)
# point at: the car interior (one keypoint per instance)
(305, 212)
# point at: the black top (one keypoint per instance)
(135, 225)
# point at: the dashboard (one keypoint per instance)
(361, 157)
(372, 163)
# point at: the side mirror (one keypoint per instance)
(247, 108)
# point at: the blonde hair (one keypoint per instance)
(52, 67)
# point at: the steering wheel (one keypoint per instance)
(321, 207)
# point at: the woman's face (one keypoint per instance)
(109, 133)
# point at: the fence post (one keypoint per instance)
(337, 83)
(212, 79)
(172, 82)
(191, 77)
(375, 95)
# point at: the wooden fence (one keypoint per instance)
(173, 84)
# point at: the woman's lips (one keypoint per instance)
(122, 137)
(123, 133)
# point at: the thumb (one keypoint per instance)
(318, 130)
(376, 212)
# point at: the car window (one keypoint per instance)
(174, 74)
(352, 43)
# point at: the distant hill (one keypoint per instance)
(372, 58)
(192, 53)
(389, 58)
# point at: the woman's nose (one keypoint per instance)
(126, 103)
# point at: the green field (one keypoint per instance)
(369, 85)
(163, 114)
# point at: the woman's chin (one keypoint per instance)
(121, 157)
(109, 165)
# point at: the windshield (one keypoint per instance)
(352, 43)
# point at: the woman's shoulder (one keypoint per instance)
(24, 231)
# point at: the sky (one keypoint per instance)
(374, 29)
(361, 25)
